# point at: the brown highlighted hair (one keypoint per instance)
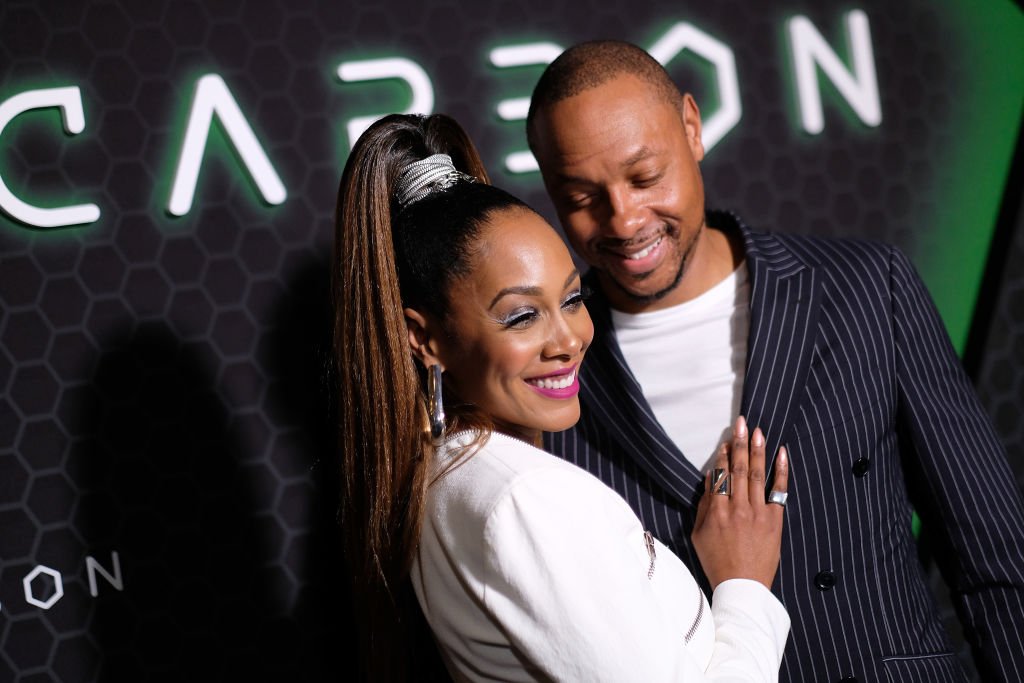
(387, 258)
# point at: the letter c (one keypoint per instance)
(69, 101)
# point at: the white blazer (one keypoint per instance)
(529, 568)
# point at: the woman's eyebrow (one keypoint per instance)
(526, 291)
(529, 291)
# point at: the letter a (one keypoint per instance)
(213, 97)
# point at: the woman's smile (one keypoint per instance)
(557, 385)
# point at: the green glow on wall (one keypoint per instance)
(970, 180)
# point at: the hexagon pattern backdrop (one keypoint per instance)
(167, 477)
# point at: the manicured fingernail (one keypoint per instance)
(783, 456)
(758, 437)
(741, 427)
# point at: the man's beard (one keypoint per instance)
(654, 296)
(670, 287)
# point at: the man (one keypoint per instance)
(832, 347)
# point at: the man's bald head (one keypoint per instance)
(588, 65)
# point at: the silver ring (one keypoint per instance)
(778, 497)
(721, 482)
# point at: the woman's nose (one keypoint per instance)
(563, 340)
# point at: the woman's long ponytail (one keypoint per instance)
(382, 425)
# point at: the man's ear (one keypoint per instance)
(691, 122)
(423, 337)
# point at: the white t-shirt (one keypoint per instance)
(531, 569)
(690, 360)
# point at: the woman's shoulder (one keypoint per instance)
(496, 460)
(476, 479)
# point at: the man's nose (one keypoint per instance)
(625, 214)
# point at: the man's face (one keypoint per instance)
(621, 165)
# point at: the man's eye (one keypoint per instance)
(579, 200)
(646, 181)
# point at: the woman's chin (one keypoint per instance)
(561, 420)
(555, 421)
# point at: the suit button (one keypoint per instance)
(861, 467)
(824, 581)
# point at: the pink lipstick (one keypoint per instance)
(557, 385)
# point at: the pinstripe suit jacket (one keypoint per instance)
(850, 367)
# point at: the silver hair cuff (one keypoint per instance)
(420, 178)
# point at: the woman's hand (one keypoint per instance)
(739, 536)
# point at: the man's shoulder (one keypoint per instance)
(872, 248)
(812, 250)
(817, 250)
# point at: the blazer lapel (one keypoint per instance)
(612, 393)
(784, 302)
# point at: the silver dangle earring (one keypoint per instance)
(435, 404)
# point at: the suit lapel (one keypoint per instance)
(612, 393)
(784, 303)
(785, 297)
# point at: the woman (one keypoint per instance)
(526, 567)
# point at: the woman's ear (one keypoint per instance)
(422, 337)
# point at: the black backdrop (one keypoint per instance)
(164, 413)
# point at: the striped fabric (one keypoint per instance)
(850, 367)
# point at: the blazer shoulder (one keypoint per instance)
(841, 252)
(848, 268)
(775, 248)
(492, 471)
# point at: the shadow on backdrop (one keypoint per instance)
(304, 396)
(297, 353)
(164, 482)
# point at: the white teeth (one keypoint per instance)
(645, 251)
(548, 383)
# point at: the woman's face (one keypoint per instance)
(517, 329)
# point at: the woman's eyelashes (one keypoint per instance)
(524, 316)
(576, 298)
(519, 318)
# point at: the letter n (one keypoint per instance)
(92, 567)
(859, 86)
